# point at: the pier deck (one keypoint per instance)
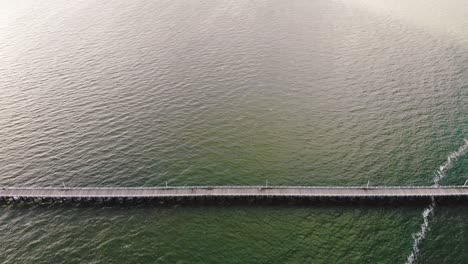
(232, 191)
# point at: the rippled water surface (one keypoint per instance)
(300, 92)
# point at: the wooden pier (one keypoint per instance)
(200, 192)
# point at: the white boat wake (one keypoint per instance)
(429, 211)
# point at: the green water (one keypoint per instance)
(212, 235)
(221, 92)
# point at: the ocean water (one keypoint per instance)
(222, 92)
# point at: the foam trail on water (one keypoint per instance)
(429, 211)
(441, 172)
(419, 236)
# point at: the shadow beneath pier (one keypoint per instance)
(235, 201)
